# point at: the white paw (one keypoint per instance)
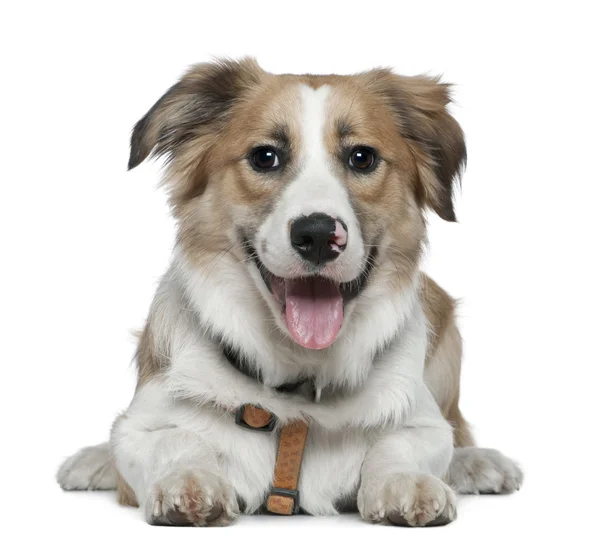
(89, 469)
(474, 470)
(191, 498)
(408, 499)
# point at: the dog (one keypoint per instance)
(295, 295)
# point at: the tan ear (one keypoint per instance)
(196, 105)
(437, 140)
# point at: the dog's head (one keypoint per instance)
(316, 182)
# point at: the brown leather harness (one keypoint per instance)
(283, 497)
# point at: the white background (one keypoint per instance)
(84, 243)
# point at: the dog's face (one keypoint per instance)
(315, 181)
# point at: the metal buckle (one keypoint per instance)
(239, 420)
(289, 493)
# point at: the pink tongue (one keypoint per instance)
(313, 311)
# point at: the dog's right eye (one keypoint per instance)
(265, 159)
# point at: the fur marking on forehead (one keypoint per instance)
(313, 119)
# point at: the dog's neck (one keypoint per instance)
(230, 307)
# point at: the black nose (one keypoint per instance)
(312, 237)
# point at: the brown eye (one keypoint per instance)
(361, 159)
(265, 159)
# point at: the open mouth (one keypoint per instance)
(313, 306)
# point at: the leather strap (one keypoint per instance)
(256, 417)
(283, 499)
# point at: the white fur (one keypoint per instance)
(371, 406)
(376, 434)
(377, 437)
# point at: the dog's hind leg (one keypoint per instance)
(474, 470)
(483, 471)
(89, 469)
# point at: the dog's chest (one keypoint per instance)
(330, 470)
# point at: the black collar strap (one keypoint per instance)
(244, 366)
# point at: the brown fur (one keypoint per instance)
(436, 139)
(149, 358)
(444, 355)
(125, 494)
(439, 307)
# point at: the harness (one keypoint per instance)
(283, 497)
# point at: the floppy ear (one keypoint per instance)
(436, 139)
(197, 105)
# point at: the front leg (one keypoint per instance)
(401, 476)
(173, 472)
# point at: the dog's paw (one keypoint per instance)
(89, 469)
(474, 471)
(191, 498)
(408, 499)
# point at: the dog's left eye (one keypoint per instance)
(265, 159)
(362, 159)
